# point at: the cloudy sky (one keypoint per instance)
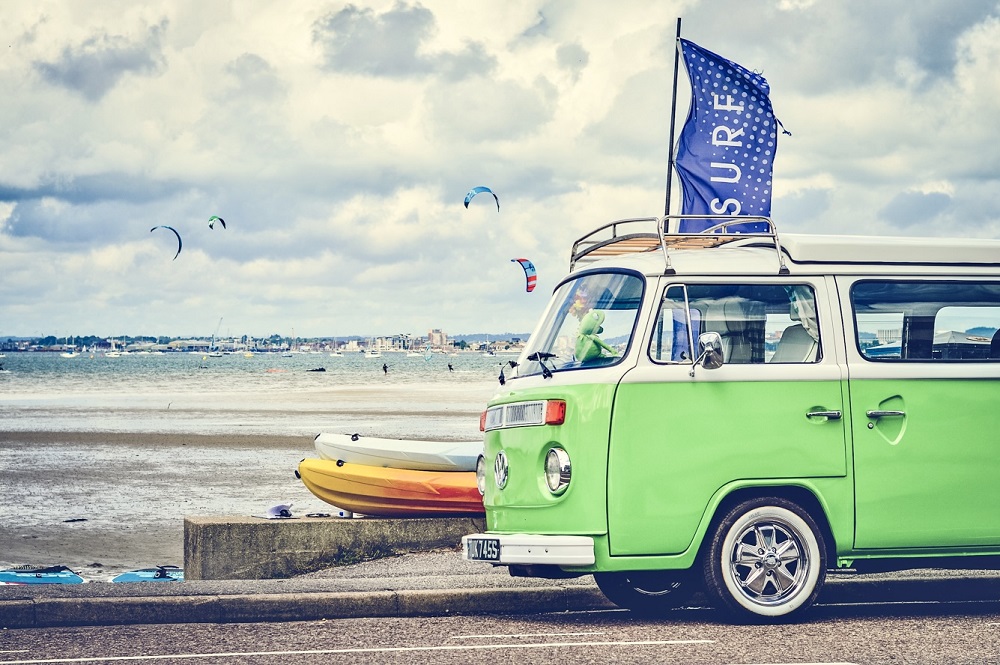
(338, 141)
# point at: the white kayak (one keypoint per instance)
(399, 453)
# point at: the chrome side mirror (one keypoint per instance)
(709, 351)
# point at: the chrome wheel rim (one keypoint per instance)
(769, 562)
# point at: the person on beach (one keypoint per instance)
(450, 368)
(385, 368)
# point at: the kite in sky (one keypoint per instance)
(215, 218)
(480, 190)
(179, 244)
(530, 275)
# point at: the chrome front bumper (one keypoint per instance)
(524, 549)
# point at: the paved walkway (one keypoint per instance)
(436, 583)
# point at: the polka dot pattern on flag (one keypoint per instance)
(726, 151)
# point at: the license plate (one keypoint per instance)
(482, 549)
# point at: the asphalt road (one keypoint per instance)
(876, 632)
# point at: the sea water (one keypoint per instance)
(416, 397)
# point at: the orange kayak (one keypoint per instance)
(385, 492)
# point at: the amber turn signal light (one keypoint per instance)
(555, 412)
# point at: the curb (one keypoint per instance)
(250, 608)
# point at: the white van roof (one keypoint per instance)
(884, 250)
(639, 244)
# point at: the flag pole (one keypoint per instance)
(673, 115)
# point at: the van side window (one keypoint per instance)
(758, 323)
(923, 321)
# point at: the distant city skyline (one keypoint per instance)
(90, 339)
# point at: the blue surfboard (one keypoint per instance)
(155, 574)
(39, 575)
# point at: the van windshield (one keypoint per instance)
(590, 324)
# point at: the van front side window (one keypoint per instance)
(758, 323)
(939, 321)
(590, 325)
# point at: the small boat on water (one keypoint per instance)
(399, 453)
(384, 492)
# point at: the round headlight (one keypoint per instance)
(557, 470)
(481, 475)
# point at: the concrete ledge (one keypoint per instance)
(121, 611)
(251, 548)
(254, 608)
(309, 606)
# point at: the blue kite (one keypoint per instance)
(480, 190)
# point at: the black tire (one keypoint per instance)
(647, 592)
(766, 560)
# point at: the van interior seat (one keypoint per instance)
(734, 318)
(795, 346)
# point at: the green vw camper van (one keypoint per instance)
(739, 413)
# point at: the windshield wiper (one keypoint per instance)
(501, 378)
(540, 357)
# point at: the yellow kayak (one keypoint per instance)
(386, 492)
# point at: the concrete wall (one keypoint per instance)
(250, 548)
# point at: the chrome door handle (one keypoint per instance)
(832, 415)
(884, 414)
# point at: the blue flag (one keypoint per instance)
(727, 146)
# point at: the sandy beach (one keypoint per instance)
(103, 503)
(100, 463)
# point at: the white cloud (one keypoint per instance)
(338, 141)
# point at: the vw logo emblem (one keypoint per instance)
(500, 469)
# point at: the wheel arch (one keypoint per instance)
(800, 495)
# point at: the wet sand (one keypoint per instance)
(103, 503)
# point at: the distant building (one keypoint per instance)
(436, 338)
(392, 343)
(190, 345)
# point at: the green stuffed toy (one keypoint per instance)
(588, 345)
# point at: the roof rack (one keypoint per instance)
(625, 236)
(646, 234)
